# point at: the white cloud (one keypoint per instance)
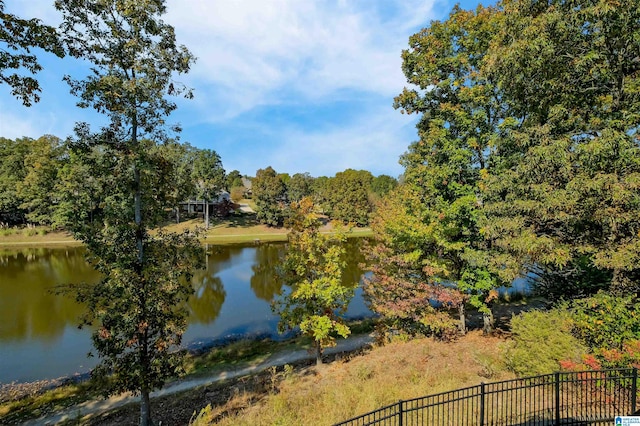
(41, 9)
(374, 142)
(259, 52)
(17, 121)
(254, 54)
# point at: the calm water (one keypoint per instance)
(39, 337)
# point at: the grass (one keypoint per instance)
(235, 229)
(350, 387)
(352, 384)
(243, 353)
(236, 355)
(38, 404)
(36, 237)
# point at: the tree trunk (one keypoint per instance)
(145, 409)
(462, 325)
(206, 214)
(487, 322)
(178, 215)
(318, 353)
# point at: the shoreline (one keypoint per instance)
(15, 391)
(195, 348)
(279, 358)
(216, 239)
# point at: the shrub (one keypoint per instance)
(628, 356)
(540, 341)
(237, 193)
(606, 322)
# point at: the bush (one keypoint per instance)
(237, 193)
(605, 321)
(540, 341)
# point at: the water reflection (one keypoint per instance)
(207, 300)
(264, 281)
(354, 259)
(39, 337)
(28, 308)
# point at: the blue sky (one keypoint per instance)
(299, 85)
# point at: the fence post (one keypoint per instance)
(634, 391)
(400, 413)
(557, 380)
(482, 397)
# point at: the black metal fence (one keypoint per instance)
(567, 398)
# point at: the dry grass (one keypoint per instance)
(39, 237)
(232, 230)
(348, 388)
(306, 395)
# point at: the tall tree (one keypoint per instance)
(321, 193)
(350, 196)
(12, 173)
(138, 303)
(208, 176)
(403, 287)
(461, 114)
(383, 184)
(565, 191)
(313, 268)
(299, 186)
(37, 188)
(269, 193)
(461, 120)
(17, 38)
(80, 188)
(182, 157)
(233, 180)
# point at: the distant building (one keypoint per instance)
(221, 200)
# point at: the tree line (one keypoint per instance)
(349, 196)
(527, 162)
(43, 179)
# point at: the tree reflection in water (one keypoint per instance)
(29, 310)
(264, 282)
(206, 302)
(38, 330)
(28, 307)
(354, 260)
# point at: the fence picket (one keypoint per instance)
(594, 396)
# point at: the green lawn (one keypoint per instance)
(234, 229)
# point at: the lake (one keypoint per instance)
(39, 335)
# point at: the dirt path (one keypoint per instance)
(278, 359)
